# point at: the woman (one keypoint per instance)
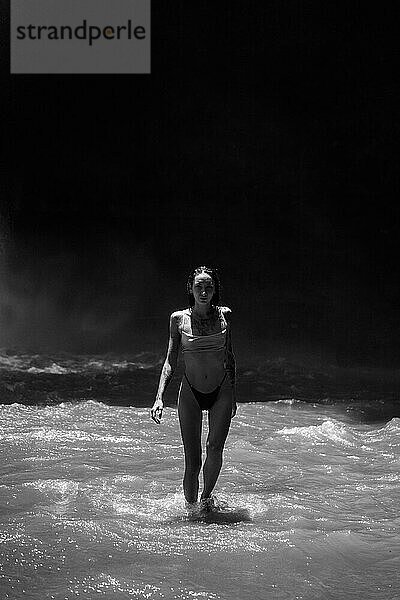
(203, 332)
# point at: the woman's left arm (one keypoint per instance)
(230, 359)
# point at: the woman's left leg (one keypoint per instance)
(219, 420)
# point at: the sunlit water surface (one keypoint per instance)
(91, 506)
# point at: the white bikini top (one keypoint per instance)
(202, 343)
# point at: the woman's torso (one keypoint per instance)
(203, 346)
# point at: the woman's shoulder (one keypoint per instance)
(225, 314)
(177, 316)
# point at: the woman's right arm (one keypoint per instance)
(169, 365)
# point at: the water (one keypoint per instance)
(91, 503)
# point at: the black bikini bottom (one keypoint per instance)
(206, 400)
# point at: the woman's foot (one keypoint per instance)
(207, 504)
(192, 507)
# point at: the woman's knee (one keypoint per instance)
(215, 446)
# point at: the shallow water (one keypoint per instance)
(91, 506)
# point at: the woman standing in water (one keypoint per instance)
(203, 331)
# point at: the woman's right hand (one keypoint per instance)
(156, 410)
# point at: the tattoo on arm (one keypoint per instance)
(166, 374)
(230, 357)
(231, 367)
(171, 359)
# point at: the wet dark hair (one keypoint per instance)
(216, 299)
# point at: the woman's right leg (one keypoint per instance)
(190, 420)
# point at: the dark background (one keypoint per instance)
(265, 142)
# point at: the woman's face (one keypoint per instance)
(203, 288)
